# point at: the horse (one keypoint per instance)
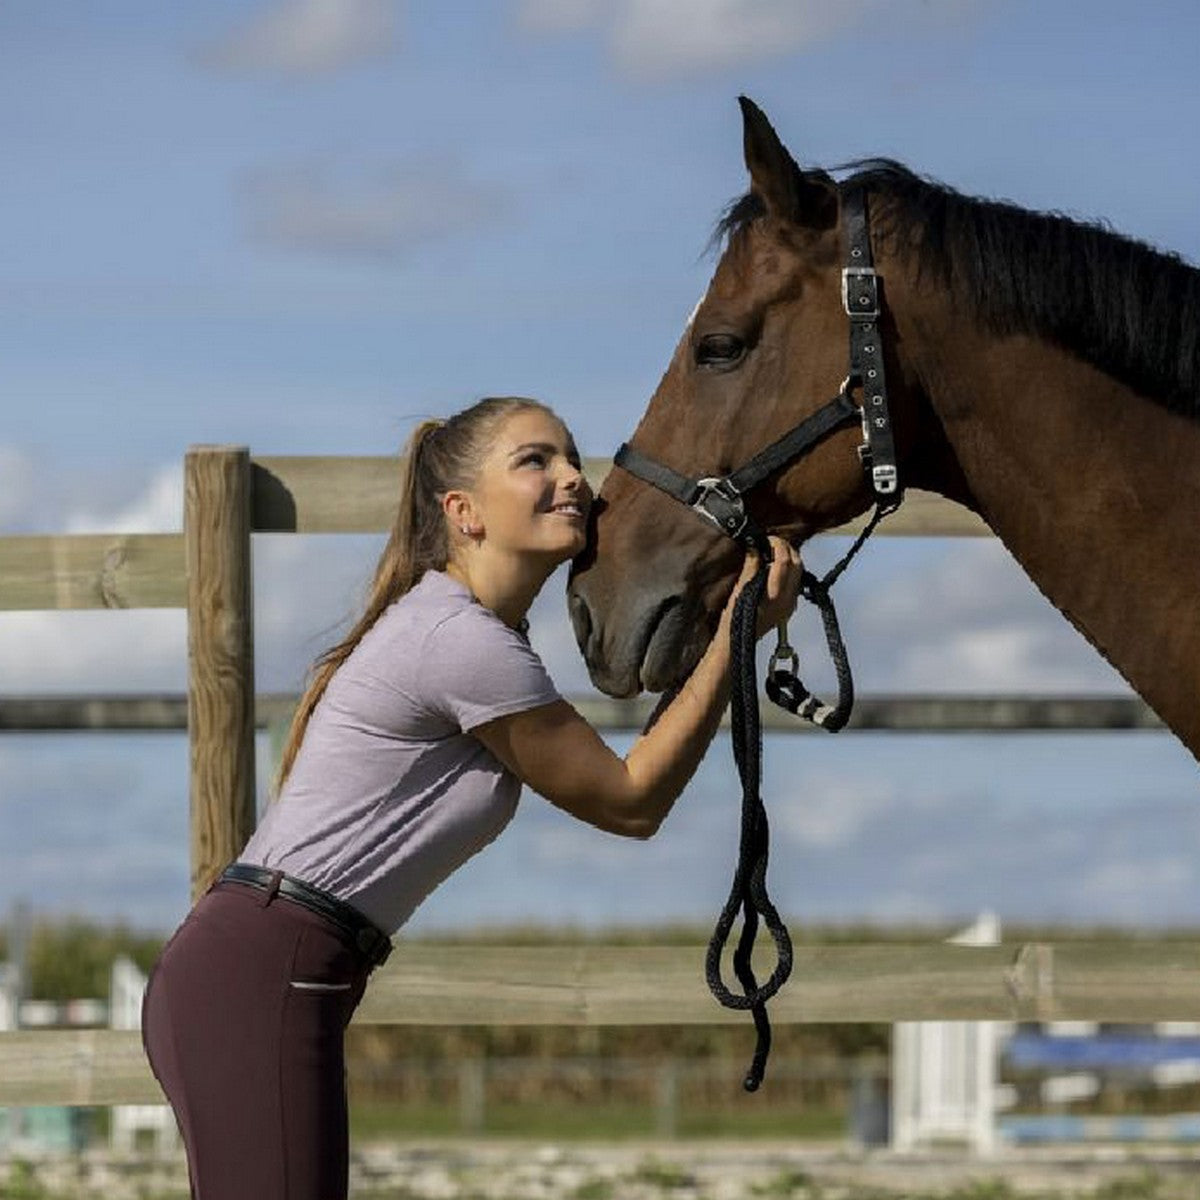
(1042, 371)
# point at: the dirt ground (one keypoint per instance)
(483, 1170)
(685, 1171)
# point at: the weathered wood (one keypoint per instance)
(650, 985)
(300, 494)
(92, 570)
(75, 1066)
(166, 712)
(923, 514)
(216, 526)
(318, 494)
(928, 714)
(429, 984)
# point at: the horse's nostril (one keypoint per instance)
(581, 620)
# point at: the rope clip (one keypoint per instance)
(784, 652)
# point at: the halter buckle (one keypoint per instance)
(885, 479)
(860, 291)
(719, 501)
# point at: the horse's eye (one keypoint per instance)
(719, 350)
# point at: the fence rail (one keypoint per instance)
(432, 984)
(925, 713)
(291, 495)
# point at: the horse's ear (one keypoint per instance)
(775, 178)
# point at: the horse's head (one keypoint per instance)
(766, 347)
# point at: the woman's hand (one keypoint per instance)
(782, 590)
(554, 750)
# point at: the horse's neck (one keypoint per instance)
(1095, 491)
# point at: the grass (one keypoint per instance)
(619, 1121)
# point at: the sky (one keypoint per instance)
(301, 225)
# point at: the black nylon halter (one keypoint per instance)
(720, 500)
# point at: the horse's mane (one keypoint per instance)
(1129, 309)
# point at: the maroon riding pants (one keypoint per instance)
(244, 1022)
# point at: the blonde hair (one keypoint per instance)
(440, 456)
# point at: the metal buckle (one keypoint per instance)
(860, 273)
(885, 479)
(784, 652)
(728, 513)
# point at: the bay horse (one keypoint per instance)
(1043, 372)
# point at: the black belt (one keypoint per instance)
(367, 938)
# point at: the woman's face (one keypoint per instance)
(530, 496)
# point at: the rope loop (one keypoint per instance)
(784, 686)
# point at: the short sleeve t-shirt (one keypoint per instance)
(389, 793)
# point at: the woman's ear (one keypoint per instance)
(460, 512)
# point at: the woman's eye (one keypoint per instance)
(719, 350)
(536, 459)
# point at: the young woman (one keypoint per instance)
(406, 756)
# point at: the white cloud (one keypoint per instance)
(158, 508)
(93, 651)
(376, 213)
(830, 811)
(308, 37)
(971, 621)
(669, 37)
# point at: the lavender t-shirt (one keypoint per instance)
(389, 792)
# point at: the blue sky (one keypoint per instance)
(298, 225)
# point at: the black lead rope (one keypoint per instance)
(784, 686)
(749, 890)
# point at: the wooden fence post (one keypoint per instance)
(216, 528)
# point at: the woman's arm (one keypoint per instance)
(558, 754)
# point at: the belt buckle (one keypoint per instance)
(374, 945)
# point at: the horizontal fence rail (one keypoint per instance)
(293, 495)
(451, 985)
(925, 713)
(92, 570)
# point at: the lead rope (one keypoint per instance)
(749, 889)
(784, 686)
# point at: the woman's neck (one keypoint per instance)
(505, 586)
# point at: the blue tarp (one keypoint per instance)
(1043, 1051)
(1061, 1127)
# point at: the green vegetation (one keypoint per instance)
(71, 958)
(22, 1184)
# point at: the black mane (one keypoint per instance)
(1129, 309)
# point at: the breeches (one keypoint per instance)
(244, 1024)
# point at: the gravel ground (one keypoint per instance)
(664, 1171)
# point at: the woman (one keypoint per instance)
(406, 756)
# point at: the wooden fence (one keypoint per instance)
(206, 569)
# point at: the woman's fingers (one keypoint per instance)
(783, 585)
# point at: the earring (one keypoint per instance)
(465, 530)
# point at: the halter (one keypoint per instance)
(720, 499)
